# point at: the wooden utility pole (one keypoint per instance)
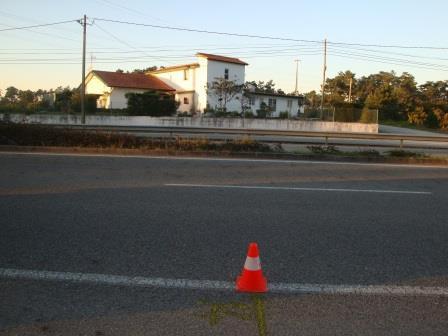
(324, 77)
(350, 91)
(83, 83)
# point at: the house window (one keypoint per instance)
(272, 103)
(226, 73)
(186, 101)
(289, 103)
(252, 101)
(186, 74)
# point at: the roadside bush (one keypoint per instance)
(151, 103)
(441, 116)
(319, 149)
(35, 135)
(283, 115)
(264, 111)
(404, 154)
(184, 114)
(418, 116)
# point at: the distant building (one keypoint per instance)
(276, 102)
(48, 97)
(189, 84)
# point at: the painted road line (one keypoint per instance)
(287, 288)
(188, 158)
(218, 186)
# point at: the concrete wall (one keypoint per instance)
(268, 124)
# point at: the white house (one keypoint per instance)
(276, 102)
(111, 87)
(190, 80)
(189, 84)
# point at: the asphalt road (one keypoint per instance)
(318, 223)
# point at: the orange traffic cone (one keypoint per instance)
(252, 279)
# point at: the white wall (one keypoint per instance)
(95, 85)
(182, 106)
(237, 123)
(176, 80)
(117, 97)
(215, 70)
(201, 83)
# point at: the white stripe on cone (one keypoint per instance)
(252, 264)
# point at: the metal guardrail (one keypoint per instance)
(286, 133)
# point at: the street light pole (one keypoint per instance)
(296, 91)
(324, 77)
(83, 83)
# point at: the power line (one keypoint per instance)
(113, 4)
(37, 26)
(124, 42)
(268, 37)
(340, 48)
(398, 60)
(45, 33)
(206, 31)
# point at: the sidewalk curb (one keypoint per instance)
(254, 155)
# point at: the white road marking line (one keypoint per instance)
(287, 288)
(187, 158)
(218, 186)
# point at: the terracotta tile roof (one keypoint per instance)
(175, 67)
(221, 58)
(132, 80)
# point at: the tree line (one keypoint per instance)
(397, 97)
(62, 99)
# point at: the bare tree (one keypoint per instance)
(225, 90)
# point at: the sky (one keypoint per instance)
(48, 57)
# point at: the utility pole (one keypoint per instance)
(350, 91)
(296, 91)
(323, 77)
(83, 83)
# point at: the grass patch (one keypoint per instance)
(35, 135)
(399, 153)
(406, 124)
(324, 150)
(370, 153)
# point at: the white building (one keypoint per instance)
(190, 81)
(189, 84)
(277, 103)
(111, 87)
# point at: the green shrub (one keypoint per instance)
(418, 116)
(403, 153)
(319, 149)
(283, 115)
(36, 135)
(151, 103)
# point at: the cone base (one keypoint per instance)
(259, 287)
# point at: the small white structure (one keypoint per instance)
(189, 83)
(111, 87)
(277, 103)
